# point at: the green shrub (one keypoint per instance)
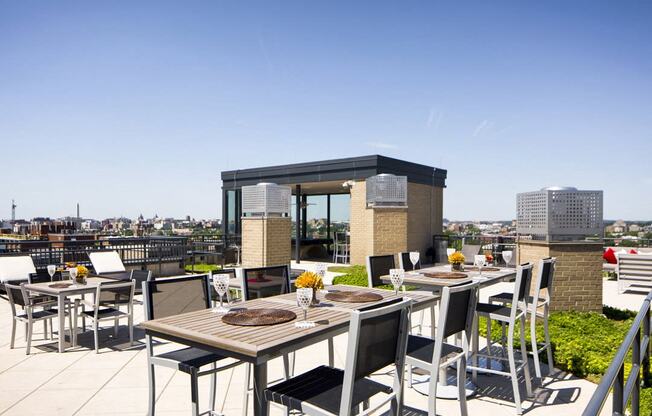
(357, 276)
(203, 268)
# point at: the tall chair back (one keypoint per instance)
(456, 311)
(17, 295)
(378, 266)
(521, 289)
(469, 251)
(262, 282)
(174, 296)
(377, 338)
(405, 263)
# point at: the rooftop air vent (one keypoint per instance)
(386, 190)
(266, 199)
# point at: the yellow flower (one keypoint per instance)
(310, 280)
(82, 271)
(456, 258)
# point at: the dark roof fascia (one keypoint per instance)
(356, 168)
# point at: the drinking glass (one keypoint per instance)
(73, 275)
(221, 285)
(304, 299)
(52, 269)
(478, 260)
(507, 256)
(396, 277)
(414, 259)
(320, 269)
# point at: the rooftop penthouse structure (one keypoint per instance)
(559, 214)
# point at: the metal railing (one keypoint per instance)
(132, 251)
(637, 341)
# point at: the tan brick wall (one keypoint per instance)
(266, 241)
(577, 283)
(375, 231)
(425, 214)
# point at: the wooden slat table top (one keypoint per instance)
(44, 287)
(206, 328)
(487, 278)
(420, 299)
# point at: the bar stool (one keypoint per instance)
(516, 312)
(539, 307)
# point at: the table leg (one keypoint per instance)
(61, 311)
(261, 407)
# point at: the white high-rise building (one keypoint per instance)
(559, 214)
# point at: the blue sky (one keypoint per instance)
(131, 107)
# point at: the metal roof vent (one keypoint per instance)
(386, 190)
(266, 199)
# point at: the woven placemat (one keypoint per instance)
(446, 275)
(484, 269)
(258, 317)
(60, 285)
(353, 297)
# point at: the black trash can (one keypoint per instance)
(439, 245)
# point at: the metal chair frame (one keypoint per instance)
(154, 360)
(515, 313)
(395, 397)
(539, 307)
(436, 364)
(28, 317)
(106, 313)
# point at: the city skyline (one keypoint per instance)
(138, 107)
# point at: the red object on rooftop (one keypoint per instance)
(610, 256)
(632, 251)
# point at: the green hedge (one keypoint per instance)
(357, 276)
(203, 268)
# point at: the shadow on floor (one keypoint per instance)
(85, 340)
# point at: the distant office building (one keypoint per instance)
(559, 214)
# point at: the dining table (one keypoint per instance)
(423, 278)
(260, 344)
(62, 290)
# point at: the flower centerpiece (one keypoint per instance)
(82, 272)
(456, 260)
(310, 280)
(489, 259)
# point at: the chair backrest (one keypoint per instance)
(106, 262)
(173, 296)
(405, 263)
(469, 251)
(17, 295)
(378, 266)
(634, 266)
(262, 282)
(456, 310)
(546, 273)
(140, 276)
(114, 292)
(521, 288)
(377, 338)
(16, 268)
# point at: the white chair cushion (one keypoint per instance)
(106, 262)
(16, 268)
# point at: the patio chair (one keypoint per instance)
(377, 339)
(341, 247)
(102, 311)
(262, 282)
(405, 263)
(19, 296)
(539, 307)
(378, 266)
(469, 251)
(106, 262)
(516, 312)
(456, 314)
(174, 296)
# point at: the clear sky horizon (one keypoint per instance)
(136, 107)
